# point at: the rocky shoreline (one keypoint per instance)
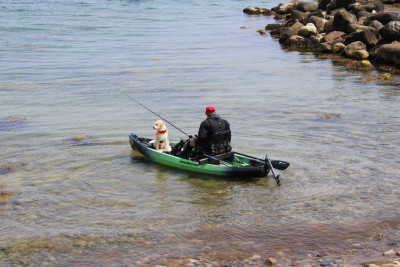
(363, 31)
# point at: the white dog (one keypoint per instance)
(162, 141)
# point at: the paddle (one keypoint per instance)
(277, 164)
(273, 172)
(226, 163)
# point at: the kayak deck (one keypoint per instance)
(229, 164)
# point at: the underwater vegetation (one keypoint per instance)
(12, 122)
(5, 195)
(329, 116)
(5, 168)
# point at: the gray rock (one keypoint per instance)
(297, 41)
(370, 7)
(388, 54)
(307, 6)
(391, 31)
(298, 15)
(375, 24)
(286, 33)
(318, 22)
(322, 48)
(363, 14)
(365, 36)
(283, 8)
(338, 47)
(323, 4)
(352, 27)
(356, 50)
(272, 26)
(342, 19)
(335, 35)
(344, 3)
(382, 17)
(318, 13)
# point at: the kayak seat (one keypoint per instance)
(203, 161)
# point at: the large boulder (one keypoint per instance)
(322, 48)
(353, 27)
(318, 22)
(371, 6)
(344, 3)
(298, 15)
(318, 13)
(286, 33)
(297, 41)
(323, 4)
(338, 47)
(332, 36)
(342, 19)
(308, 30)
(388, 54)
(391, 31)
(356, 50)
(283, 8)
(367, 37)
(382, 17)
(307, 6)
(375, 24)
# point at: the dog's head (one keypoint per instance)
(159, 126)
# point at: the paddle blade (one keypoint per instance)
(280, 165)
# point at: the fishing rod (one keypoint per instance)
(157, 115)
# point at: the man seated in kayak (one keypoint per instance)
(214, 136)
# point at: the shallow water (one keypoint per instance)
(78, 194)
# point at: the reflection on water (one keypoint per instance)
(81, 196)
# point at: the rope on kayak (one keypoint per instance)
(157, 115)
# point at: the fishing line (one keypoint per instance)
(157, 115)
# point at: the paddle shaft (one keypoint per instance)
(280, 165)
(273, 172)
(228, 164)
(157, 115)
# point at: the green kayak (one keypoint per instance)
(230, 164)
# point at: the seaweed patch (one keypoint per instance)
(12, 122)
(329, 116)
(386, 77)
(5, 195)
(80, 140)
(6, 168)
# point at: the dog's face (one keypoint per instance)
(159, 125)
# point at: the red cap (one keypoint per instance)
(210, 109)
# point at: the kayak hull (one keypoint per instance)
(237, 166)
